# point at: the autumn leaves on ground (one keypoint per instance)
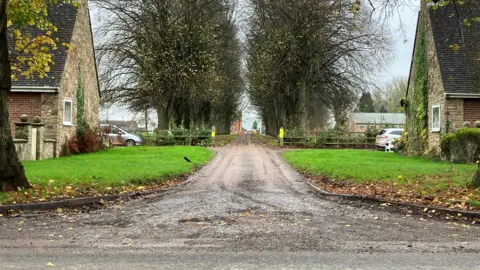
(389, 176)
(116, 171)
(369, 173)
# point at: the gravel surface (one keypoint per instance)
(246, 210)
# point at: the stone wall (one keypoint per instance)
(80, 65)
(50, 115)
(436, 92)
(49, 149)
(33, 145)
(23, 149)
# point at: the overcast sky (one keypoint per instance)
(403, 38)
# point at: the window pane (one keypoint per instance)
(436, 118)
(67, 113)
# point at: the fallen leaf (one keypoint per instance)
(20, 229)
(70, 229)
(59, 210)
(50, 264)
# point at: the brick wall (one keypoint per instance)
(23, 103)
(471, 109)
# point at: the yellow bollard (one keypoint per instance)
(281, 136)
(213, 132)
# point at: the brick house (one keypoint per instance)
(453, 79)
(236, 127)
(359, 122)
(54, 98)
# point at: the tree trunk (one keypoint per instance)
(162, 118)
(146, 120)
(301, 121)
(476, 179)
(12, 174)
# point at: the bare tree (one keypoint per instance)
(176, 56)
(309, 51)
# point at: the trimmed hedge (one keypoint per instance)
(462, 146)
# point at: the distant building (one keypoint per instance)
(359, 122)
(236, 127)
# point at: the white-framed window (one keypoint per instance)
(435, 118)
(361, 126)
(67, 111)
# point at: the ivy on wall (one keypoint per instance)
(417, 110)
(81, 123)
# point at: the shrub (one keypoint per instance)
(462, 146)
(467, 124)
(477, 124)
(372, 131)
(87, 141)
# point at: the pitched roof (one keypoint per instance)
(460, 70)
(63, 16)
(370, 118)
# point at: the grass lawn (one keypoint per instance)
(116, 170)
(416, 177)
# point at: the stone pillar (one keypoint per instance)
(40, 139)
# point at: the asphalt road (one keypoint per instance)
(245, 210)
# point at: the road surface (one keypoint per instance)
(245, 210)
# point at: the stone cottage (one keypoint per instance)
(444, 80)
(54, 98)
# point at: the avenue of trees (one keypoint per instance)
(179, 57)
(183, 58)
(307, 58)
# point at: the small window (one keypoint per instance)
(361, 127)
(436, 118)
(67, 112)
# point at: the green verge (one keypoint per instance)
(114, 171)
(416, 178)
(373, 166)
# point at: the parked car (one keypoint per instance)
(121, 136)
(387, 135)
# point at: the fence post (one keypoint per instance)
(281, 135)
(213, 133)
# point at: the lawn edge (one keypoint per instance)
(353, 197)
(94, 200)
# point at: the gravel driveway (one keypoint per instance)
(245, 210)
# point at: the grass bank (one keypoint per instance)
(388, 175)
(117, 170)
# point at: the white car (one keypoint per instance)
(387, 135)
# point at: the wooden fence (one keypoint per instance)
(183, 137)
(328, 140)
